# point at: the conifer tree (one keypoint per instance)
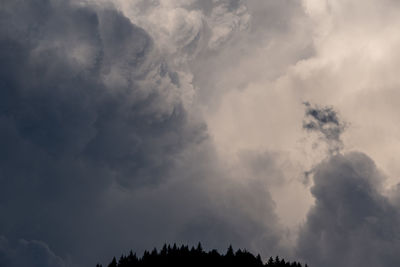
(113, 263)
(199, 247)
(229, 252)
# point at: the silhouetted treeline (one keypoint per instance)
(193, 257)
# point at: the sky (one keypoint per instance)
(269, 125)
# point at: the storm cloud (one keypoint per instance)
(127, 124)
(99, 151)
(352, 222)
(28, 253)
(86, 104)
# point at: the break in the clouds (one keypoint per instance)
(127, 124)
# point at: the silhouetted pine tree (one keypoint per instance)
(113, 263)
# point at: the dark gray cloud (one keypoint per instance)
(352, 223)
(84, 105)
(28, 253)
(99, 154)
(325, 121)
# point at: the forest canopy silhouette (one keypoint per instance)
(185, 256)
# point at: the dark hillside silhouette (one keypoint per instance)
(196, 257)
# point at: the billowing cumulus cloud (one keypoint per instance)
(86, 104)
(352, 223)
(127, 124)
(100, 150)
(183, 29)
